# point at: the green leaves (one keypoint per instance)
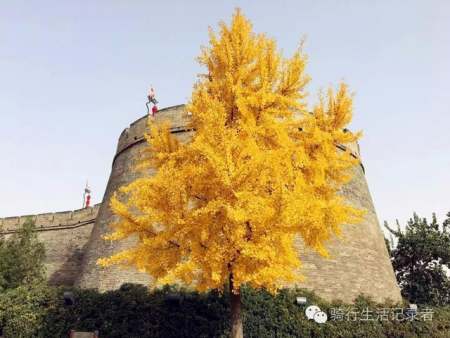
(21, 258)
(133, 311)
(422, 251)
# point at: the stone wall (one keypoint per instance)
(64, 235)
(359, 261)
(131, 143)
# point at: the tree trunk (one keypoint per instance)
(236, 317)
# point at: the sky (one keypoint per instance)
(74, 74)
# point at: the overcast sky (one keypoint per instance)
(74, 74)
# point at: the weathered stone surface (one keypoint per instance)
(64, 234)
(130, 145)
(359, 260)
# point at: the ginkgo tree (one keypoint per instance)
(223, 209)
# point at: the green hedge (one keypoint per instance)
(132, 311)
(23, 310)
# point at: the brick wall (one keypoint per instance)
(359, 261)
(64, 235)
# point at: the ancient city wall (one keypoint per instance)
(130, 145)
(64, 234)
(359, 261)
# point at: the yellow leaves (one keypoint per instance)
(119, 258)
(259, 171)
(340, 107)
(248, 77)
(163, 144)
(334, 113)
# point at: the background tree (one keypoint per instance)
(23, 310)
(21, 258)
(421, 259)
(225, 207)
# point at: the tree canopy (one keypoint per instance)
(259, 170)
(21, 258)
(421, 259)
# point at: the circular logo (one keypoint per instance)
(311, 311)
(320, 317)
(314, 312)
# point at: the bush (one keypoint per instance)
(21, 258)
(23, 310)
(132, 311)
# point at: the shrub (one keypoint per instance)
(21, 258)
(132, 311)
(23, 310)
